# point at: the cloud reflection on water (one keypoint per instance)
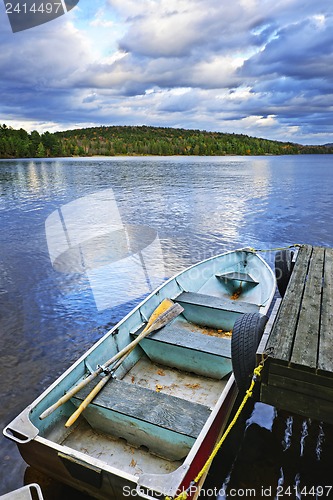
(88, 236)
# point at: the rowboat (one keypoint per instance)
(167, 398)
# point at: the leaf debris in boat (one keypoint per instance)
(193, 386)
(211, 332)
(159, 387)
(236, 294)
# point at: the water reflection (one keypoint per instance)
(185, 209)
(88, 236)
(320, 441)
(279, 456)
(288, 433)
(262, 415)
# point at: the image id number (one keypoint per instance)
(314, 491)
(35, 8)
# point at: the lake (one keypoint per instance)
(54, 305)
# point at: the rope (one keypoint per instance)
(248, 394)
(296, 245)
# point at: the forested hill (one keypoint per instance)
(143, 140)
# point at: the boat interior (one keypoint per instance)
(147, 418)
(149, 415)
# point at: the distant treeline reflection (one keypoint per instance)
(141, 140)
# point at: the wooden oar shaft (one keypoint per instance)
(163, 319)
(95, 391)
(93, 375)
(172, 311)
(87, 400)
(69, 394)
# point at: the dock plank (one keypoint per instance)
(293, 373)
(306, 340)
(325, 354)
(298, 376)
(284, 329)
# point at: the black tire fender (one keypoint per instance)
(283, 268)
(246, 335)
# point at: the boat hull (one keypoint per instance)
(213, 293)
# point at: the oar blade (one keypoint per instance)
(166, 317)
(160, 309)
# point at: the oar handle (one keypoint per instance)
(68, 395)
(87, 400)
(88, 379)
(95, 391)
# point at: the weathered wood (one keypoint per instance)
(202, 300)
(181, 335)
(312, 388)
(291, 373)
(190, 347)
(161, 410)
(310, 407)
(306, 340)
(299, 375)
(284, 329)
(325, 354)
(268, 330)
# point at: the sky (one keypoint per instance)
(262, 68)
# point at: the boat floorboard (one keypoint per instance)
(116, 452)
(174, 382)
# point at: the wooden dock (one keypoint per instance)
(298, 376)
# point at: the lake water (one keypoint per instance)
(53, 303)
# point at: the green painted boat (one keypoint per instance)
(151, 428)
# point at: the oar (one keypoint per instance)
(93, 393)
(165, 305)
(163, 314)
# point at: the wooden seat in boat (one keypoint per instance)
(186, 346)
(212, 311)
(166, 425)
(212, 302)
(187, 336)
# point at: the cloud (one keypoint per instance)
(184, 28)
(301, 51)
(249, 66)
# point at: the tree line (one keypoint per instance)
(141, 140)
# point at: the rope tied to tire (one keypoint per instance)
(248, 394)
